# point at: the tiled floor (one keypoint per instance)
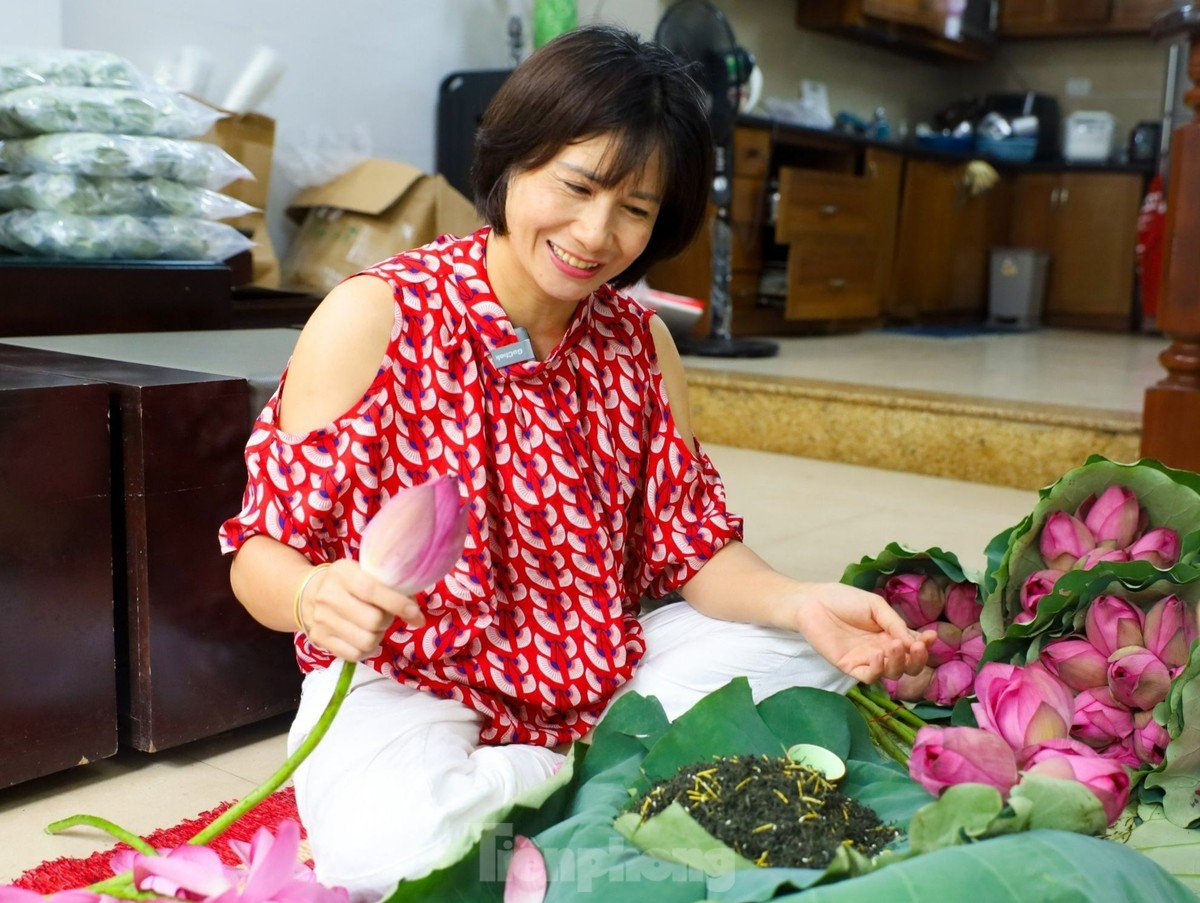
(1078, 369)
(808, 518)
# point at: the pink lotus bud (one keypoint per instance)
(910, 687)
(1099, 719)
(1138, 678)
(1099, 554)
(1077, 663)
(1150, 738)
(1025, 706)
(963, 607)
(1112, 624)
(1122, 751)
(917, 598)
(1038, 584)
(526, 880)
(972, 645)
(416, 537)
(1160, 547)
(1107, 779)
(1169, 631)
(1113, 518)
(945, 645)
(944, 756)
(951, 681)
(1064, 540)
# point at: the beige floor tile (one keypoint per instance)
(253, 753)
(1078, 369)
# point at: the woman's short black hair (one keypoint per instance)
(593, 81)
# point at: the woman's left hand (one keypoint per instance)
(859, 632)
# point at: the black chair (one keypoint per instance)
(462, 99)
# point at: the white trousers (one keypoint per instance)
(400, 776)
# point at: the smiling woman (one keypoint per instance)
(510, 362)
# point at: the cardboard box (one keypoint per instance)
(377, 210)
(250, 139)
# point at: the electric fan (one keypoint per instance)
(696, 31)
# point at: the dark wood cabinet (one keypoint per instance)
(1087, 222)
(1064, 18)
(943, 244)
(58, 696)
(917, 27)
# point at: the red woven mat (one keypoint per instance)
(65, 873)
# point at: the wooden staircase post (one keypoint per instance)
(1171, 415)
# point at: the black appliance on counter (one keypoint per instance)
(1030, 103)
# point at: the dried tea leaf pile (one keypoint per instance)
(771, 811)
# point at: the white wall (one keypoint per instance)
(37, 24)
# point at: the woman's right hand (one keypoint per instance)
(348, 611)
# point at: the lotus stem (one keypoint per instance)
(883, 739)
(220, 825)
(104, 825)
(882, 717)
(900, 711)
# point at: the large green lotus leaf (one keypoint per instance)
(723, 723)
(896, 558)
(886, 788)
(1171, 498)
(631, 726)
(473, 868)
(1179, 773)
(1175, 849)
(807, 715)
(1029, 867)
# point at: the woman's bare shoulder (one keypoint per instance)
(338, 353)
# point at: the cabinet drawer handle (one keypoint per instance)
(1063, 195)
(829, 209)
(837, 283)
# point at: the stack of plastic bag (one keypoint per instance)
(96, 164)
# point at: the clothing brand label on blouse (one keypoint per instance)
(513, 353)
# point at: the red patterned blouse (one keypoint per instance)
(583, 495)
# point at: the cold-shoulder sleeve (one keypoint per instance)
(313, 491)
(684, 518)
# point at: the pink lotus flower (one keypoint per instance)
(944, 756)
(1037, 585)
(526, 880)
(272, 873)
(916, 597)
(945, 645)
(1112, 623)
(1025, 706)
(1138, 678)
(910, 687)
(416, 537)
(1160, 547)
(950, 681)
(1064, 541)
(11, 894)
(1077, 663)
(1122, 751)
(1099, 719)
(1113, 518)
(1169, 631)
(972, 645)
(1150, 738)
(1098, 555)
(963, 607)
(1108, 780)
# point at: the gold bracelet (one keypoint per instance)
(299, 597)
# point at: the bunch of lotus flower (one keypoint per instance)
(952, 611)
(1110, 527)
(1119, 670)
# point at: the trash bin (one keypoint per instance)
(1017, 287)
